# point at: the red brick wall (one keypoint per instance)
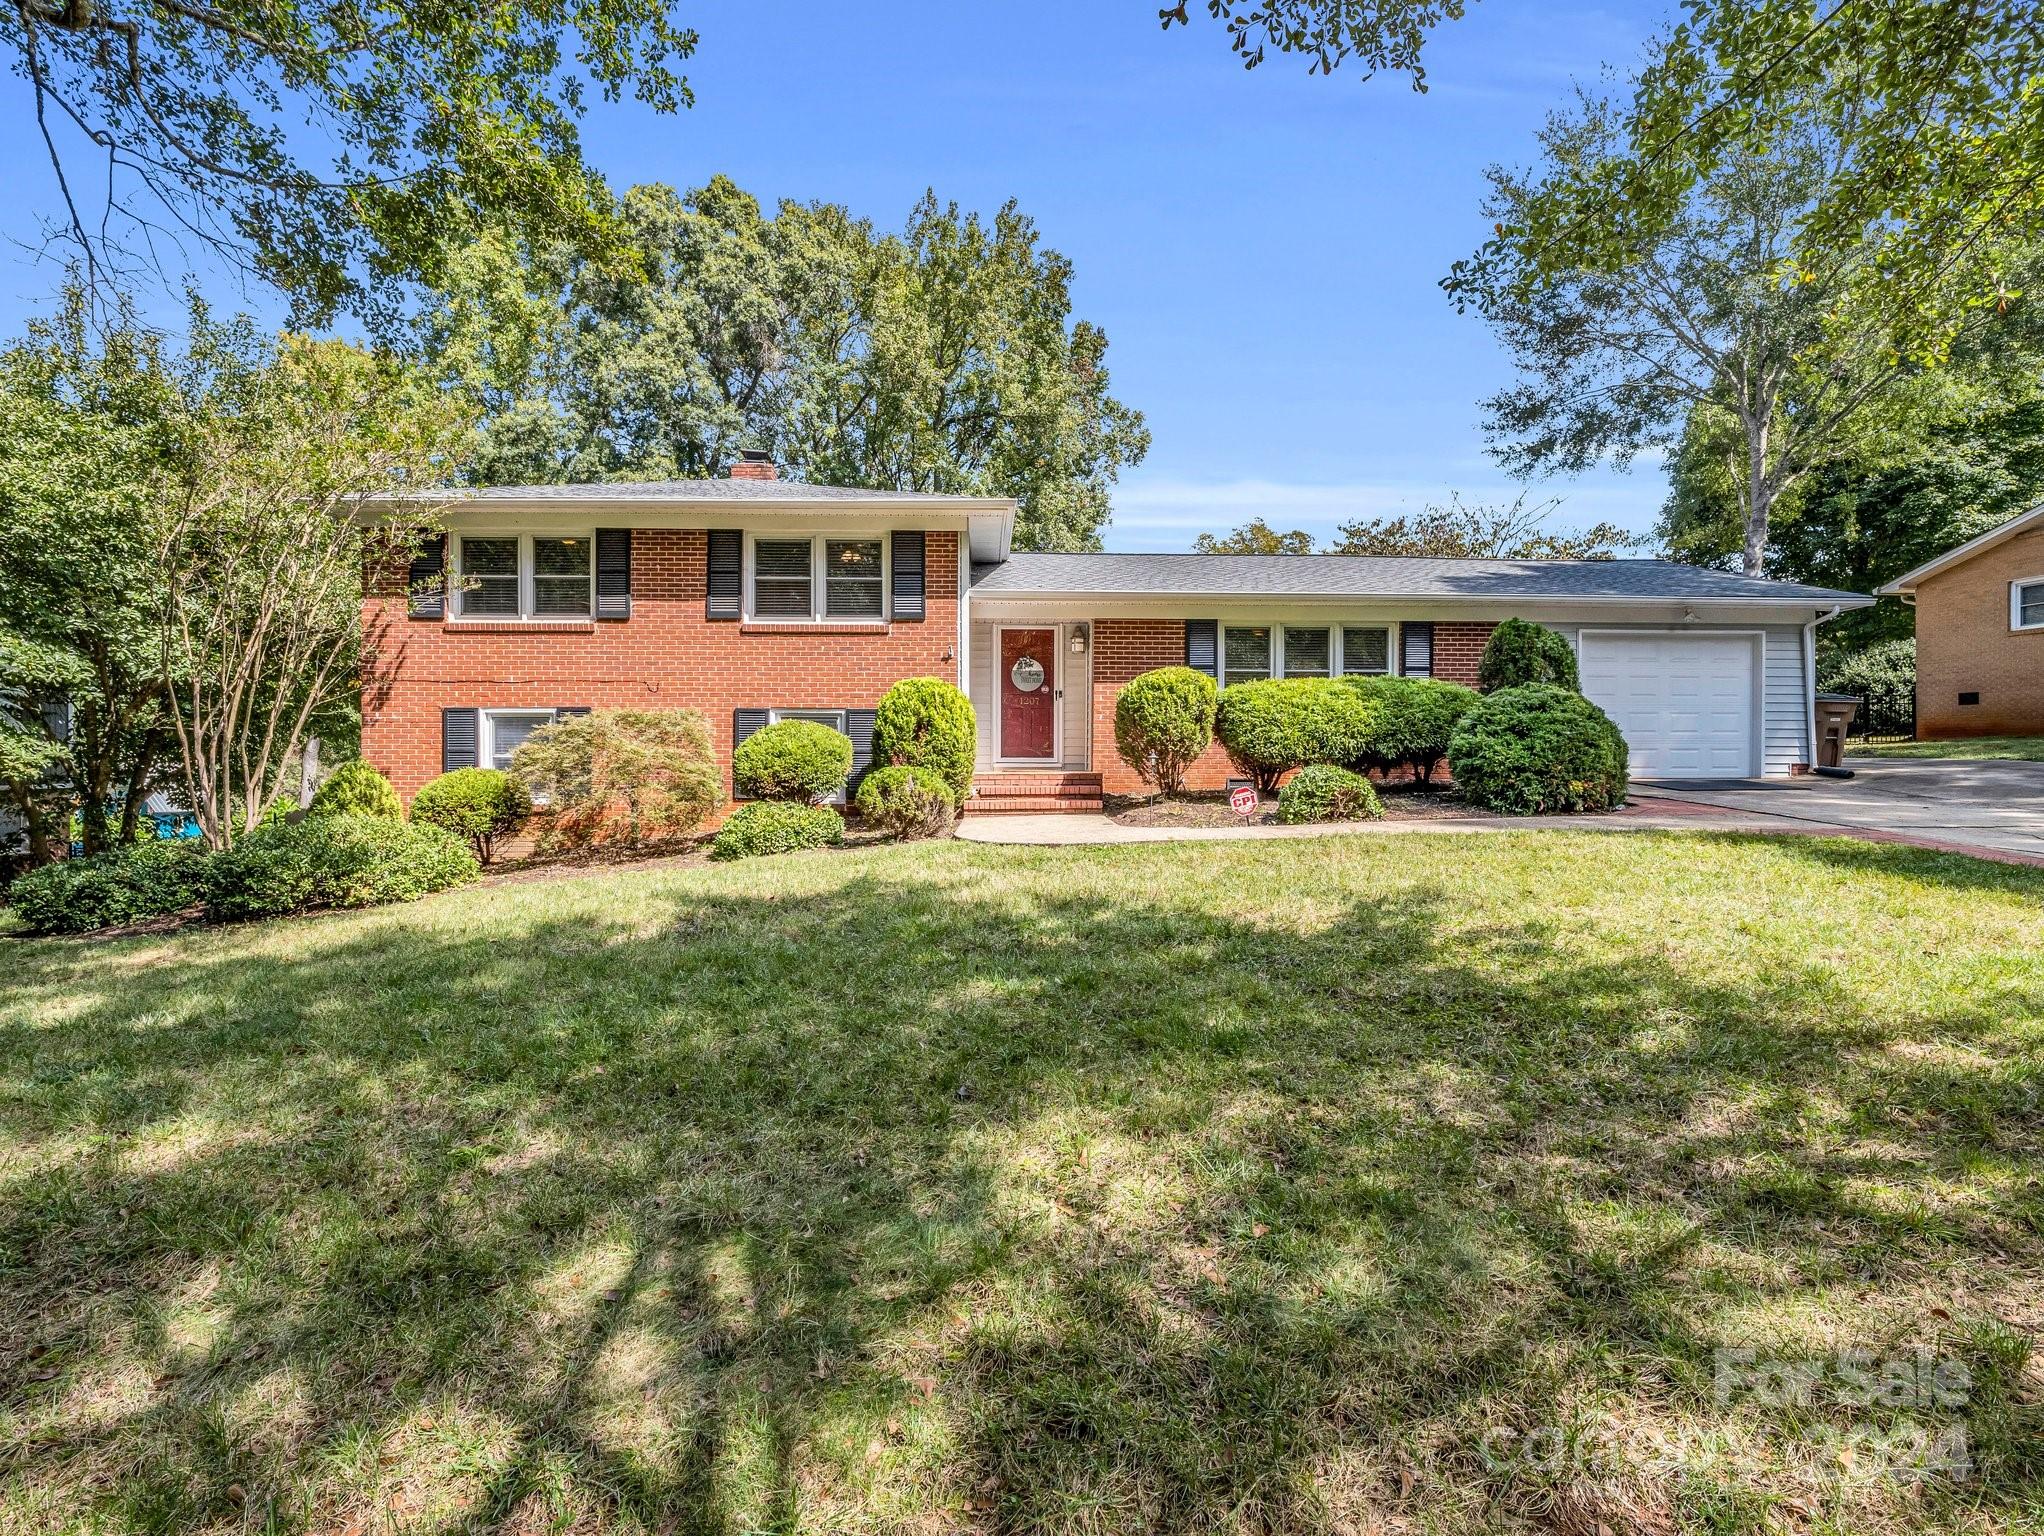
(1122, 648)
(1458, 647)
(666, 656)
(1964, 645)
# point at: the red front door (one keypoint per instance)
(1028, 693)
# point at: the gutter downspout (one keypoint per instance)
(1810, 684)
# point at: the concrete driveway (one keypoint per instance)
(1990, 805)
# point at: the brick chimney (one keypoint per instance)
(754, 464)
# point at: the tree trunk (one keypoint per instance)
(138, 777)
(1759, 496)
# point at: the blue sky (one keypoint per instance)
(1261, 247)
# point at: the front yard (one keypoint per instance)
(1345, 1184)
(2028, 749)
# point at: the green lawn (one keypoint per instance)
(1280, 1186)
(2029, 749)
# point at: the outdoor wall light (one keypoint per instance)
(1078, 639)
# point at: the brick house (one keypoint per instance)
(1980, 633)
(753, 599)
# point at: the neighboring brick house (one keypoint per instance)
(754, 598)
(1980, 633)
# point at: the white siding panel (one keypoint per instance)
(1785, 704)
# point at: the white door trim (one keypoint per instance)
(1057, 697)
(1756, 724)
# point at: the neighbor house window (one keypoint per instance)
(1365, 652)
(819, 578)
(2026, 604)
(524, 576)
(504, 732)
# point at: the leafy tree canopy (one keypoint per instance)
(338, 147)
(1510, 530)
(1944, 100)
(1255, 537)
(942, 358)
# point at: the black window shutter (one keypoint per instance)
(743, 723)
(613, 573)
(727, 574)
(427, 580)
(859, 726)
(563, 711)
(459, 732)
(908, 574)
(1202, 646)
(1416, 649)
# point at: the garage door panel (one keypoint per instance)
(1685, 703)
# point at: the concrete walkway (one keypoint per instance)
(1094, 830)
(1989, 807)
(1800, 807)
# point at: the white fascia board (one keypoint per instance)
(1277, 607)
(1904, 584)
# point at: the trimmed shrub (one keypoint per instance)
(776, 826)
(801, 760)
(924, 722)
(1887, 670)
(1414, 721)
(124, 885)
(477, 804)
(355, 789)
(1163, 721)
(1520, 652)
(907, 802)
(333, 861)
(1270, 728)
(1323, 792)
(620, 776)
(1539, 748)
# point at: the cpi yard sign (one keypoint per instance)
(1242, 799)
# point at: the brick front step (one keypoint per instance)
(1024, 793)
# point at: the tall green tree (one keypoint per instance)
(89, 419)
(1255, 537)
(340, 148)
(1931, 214)
(941, 358)
(1455, 529)
(1711, 314)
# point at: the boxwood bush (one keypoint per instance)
(776, 826)
(355, 789)
(333, 861)
(1539, 748)
(1323, 792)
(1884, 670)
(924, 722)
(1270, 728)
(124, 885)
(801, 760)
(1520, 652)
(478, 805)
(908, 802)
(1414, 720)
(1163, 721)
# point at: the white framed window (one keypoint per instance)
(834, 718)
(524, 575)
(504, 731)
(815, 577)
(2026, 603)
(1252, 652)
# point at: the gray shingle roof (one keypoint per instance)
(694, 490)
(1374, 576)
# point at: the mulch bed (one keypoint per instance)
(1401, 803)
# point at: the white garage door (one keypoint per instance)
(1684, 702)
